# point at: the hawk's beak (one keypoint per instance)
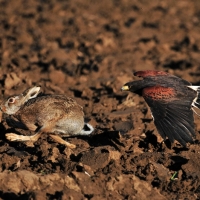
(125, 88)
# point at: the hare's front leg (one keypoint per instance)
(61, 141)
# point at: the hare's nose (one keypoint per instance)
(3, 108)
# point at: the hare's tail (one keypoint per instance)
(87, 129)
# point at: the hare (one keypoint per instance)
(57, 115)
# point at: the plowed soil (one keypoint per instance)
(87, 50)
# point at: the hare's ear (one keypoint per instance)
(31, 92)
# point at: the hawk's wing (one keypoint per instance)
(173, 116)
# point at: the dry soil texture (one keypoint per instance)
(88, 49)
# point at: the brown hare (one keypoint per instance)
(58, 115)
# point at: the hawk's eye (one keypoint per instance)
(11, 100)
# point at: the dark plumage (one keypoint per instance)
(170, 99)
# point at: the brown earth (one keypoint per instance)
(88, 49)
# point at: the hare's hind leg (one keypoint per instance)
(34, 138)
(61, 141)
(23, 138)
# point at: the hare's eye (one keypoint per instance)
(11, 100)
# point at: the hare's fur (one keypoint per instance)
(57, 115)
